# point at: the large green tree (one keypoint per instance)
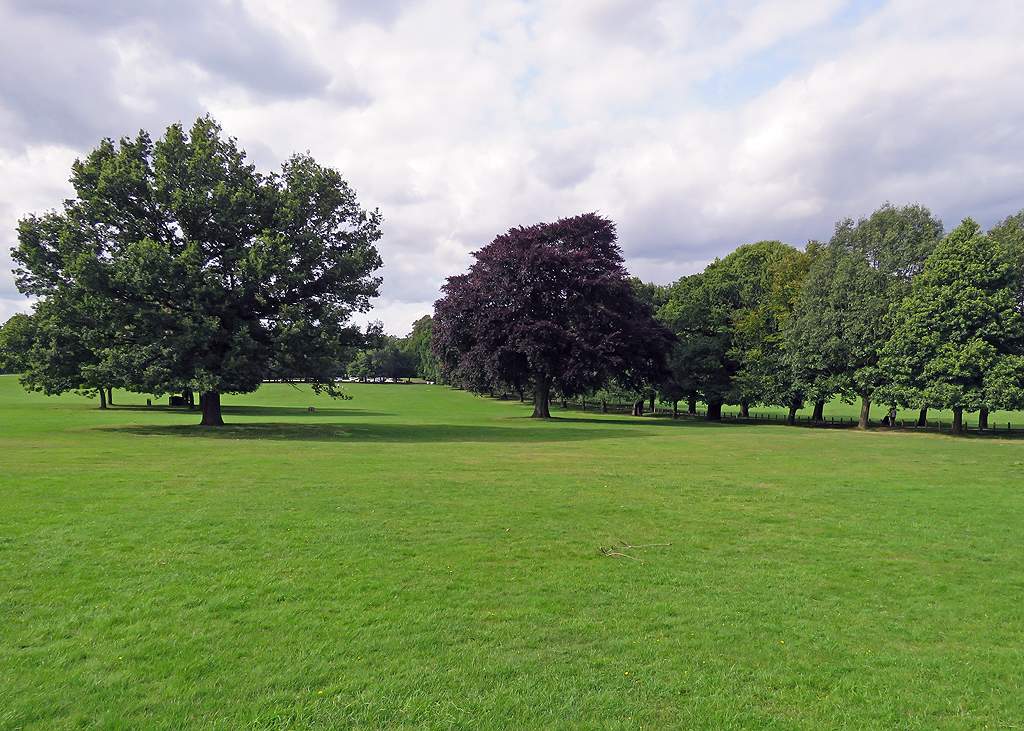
(766, 374)
(703, 310)
(958, 338)
(212, 276)
(699, 312)
(839, 323)
(418, 344)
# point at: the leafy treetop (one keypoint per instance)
(211, 276)
(548, 306)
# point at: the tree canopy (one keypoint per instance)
(545, 307)
(704, 309)
(958, 338)
(16, 338)
(766, 375)
(183, 268)
(839, 323)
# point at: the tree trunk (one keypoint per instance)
(190, 399)
(958, 421)
(714, 412)
(110, 396)
(675, 408)
(211, 409)
(638, 408)
(652, 404)
(865, 410)
(103, 398)
(541, 399)
(604, 407)
(583, 404)
(791, 417)
(522, 399)
(819, 411)
(744, 409)
(922, 418)
(564, 404)
(983, 418)
(691, 404)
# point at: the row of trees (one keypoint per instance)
(890, 310)
(178, 268)
(394, 358)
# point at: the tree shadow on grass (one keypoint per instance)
(370, 433)
(239, 410)
(639, 421)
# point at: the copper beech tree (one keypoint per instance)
(549, 308)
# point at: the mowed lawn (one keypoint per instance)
(420, 558)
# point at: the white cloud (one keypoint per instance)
(33, 180)
(697, 125)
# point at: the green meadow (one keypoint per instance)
(420, 558)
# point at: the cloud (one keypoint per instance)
(697, 126)
(75, 71)
(383, 12)
(32, 181)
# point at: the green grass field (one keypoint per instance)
(419, 558)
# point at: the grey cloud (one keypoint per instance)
(57, 75)
(54, 86)
(221, 37)
(954, 146)
(564, 168)
(716, 22)
(409, 286)
(9, 292)
(674, 229)
(958, 155)
(411, 271)
(383, 12)
(632, 22)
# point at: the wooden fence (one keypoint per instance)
(827, 422)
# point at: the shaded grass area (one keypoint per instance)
(374, 432)
(420, 558)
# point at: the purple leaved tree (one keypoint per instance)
(546, 308)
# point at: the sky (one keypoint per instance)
(696, 126)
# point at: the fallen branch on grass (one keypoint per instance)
(606, 551)
(643, 545)
(609, 552)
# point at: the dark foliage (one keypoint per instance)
(545, 307)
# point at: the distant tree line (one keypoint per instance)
(890, 310)
(391, 358)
